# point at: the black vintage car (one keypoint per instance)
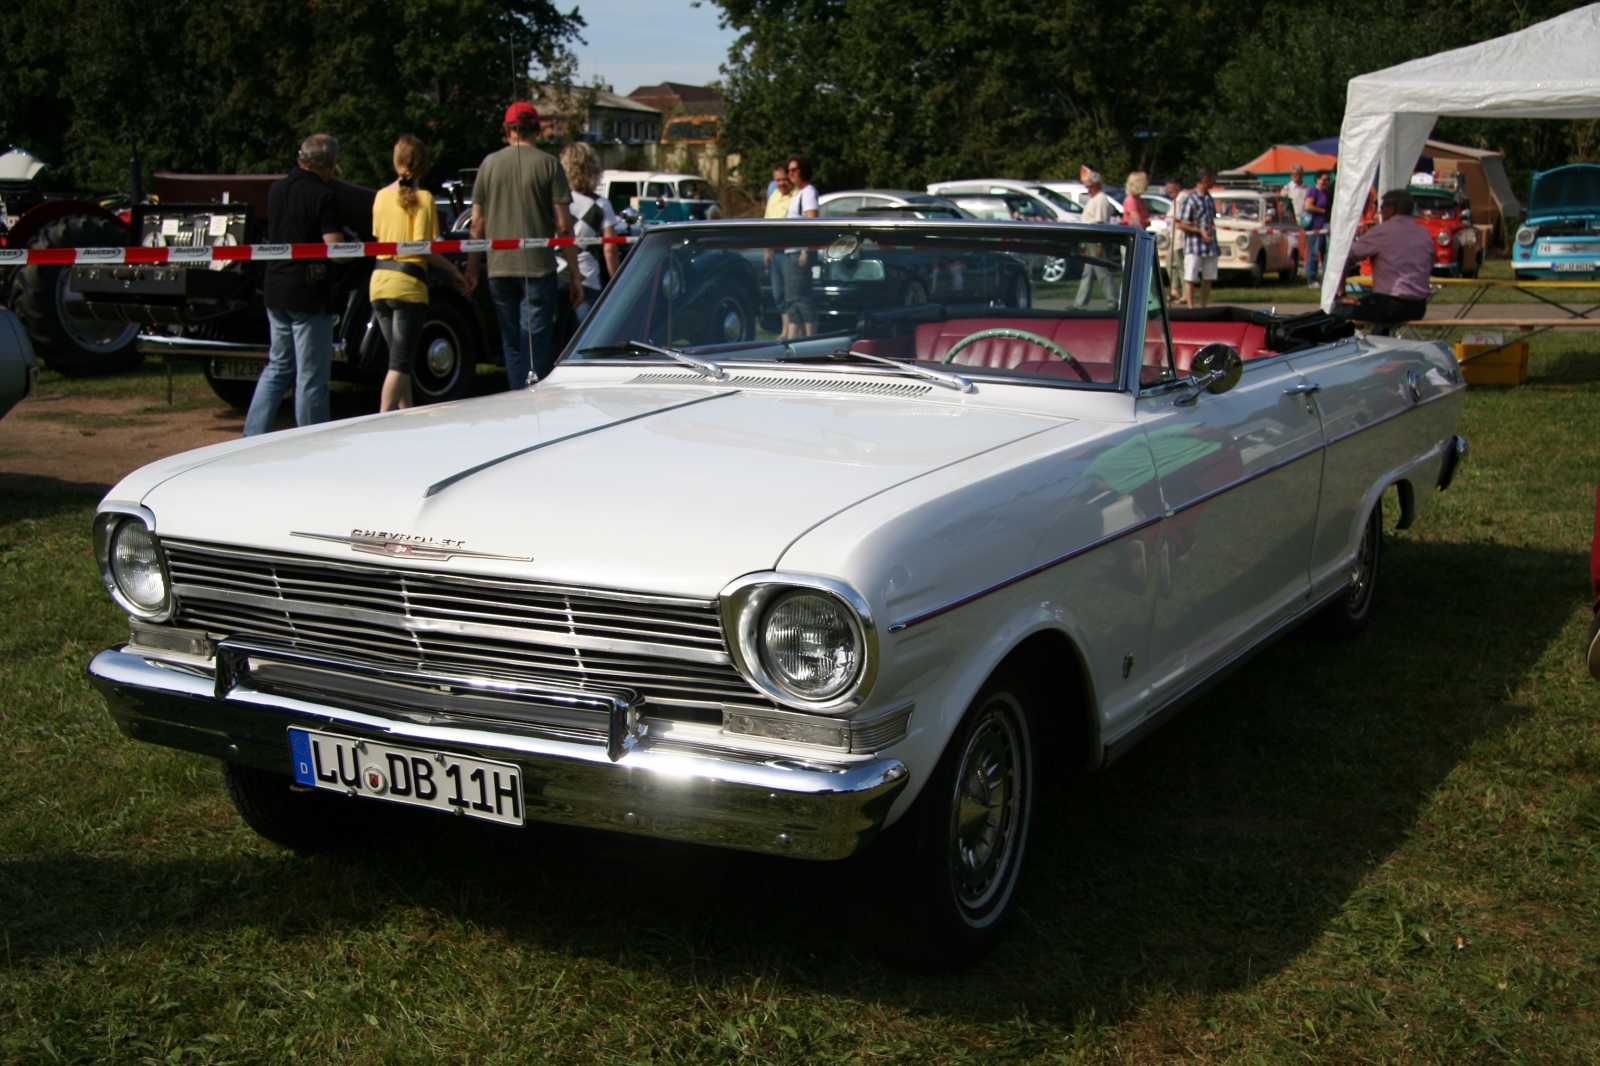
(215, 313)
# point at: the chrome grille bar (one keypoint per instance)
(668, 649)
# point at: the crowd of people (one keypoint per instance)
(522, 191)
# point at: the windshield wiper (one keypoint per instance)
(711, 370)
(943, 377)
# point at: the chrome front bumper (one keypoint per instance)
(809, 809)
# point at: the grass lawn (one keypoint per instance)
(1382, 851)
(1271, 291)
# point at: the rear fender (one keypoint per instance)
(37, 218)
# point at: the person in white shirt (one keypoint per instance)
(1297, 189)
(592, 216)
(1097, 211)
(799, 311)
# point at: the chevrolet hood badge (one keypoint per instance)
(408, 545)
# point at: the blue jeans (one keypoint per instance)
(526, 311)
(1316, 252)
(301, 356)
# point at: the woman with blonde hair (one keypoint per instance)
(1135, 212)
(592, 216)
(403, 211)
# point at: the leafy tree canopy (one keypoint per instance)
(882, 93)
(233, 86)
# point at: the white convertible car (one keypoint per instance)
(853, 591)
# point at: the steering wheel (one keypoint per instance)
(1018, 335)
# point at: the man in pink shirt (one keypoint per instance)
(1401, 251)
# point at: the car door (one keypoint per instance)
(1240, 477)
(1360, 393)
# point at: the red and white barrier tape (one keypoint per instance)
(253, 252)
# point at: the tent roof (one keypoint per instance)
(1548, 70)
(1281, 157)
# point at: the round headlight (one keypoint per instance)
(1525, 235)
(1443, 238)
(136, 566)
(1243, 241)
(811, 645)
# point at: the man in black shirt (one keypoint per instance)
(301, 209)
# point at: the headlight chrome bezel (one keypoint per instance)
(745, 604)
(1526, 235)
(107, 523)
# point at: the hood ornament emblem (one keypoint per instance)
(408, 545)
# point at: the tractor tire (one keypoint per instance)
(69, 346)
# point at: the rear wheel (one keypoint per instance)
(41, 297)
(943, 881)
(1348, 615)
(446, 363)
(305, 821)
(733, 319)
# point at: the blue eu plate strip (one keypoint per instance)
(300, 752)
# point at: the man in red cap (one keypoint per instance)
(522, 192)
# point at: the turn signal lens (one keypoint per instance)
(811, 645)
(136, 566)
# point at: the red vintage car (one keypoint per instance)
(1455, 243)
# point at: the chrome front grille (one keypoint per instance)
(668, 650)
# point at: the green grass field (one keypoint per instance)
(1383, 851)
(1271, 291)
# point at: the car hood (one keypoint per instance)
(672, 489)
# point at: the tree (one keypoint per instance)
(235, 85)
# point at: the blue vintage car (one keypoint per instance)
(1561, 235)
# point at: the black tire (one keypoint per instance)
(943, 881)
(233, 393)
(446, 363)
(307, 822)
(732, 319)
(1258, 269)
(66, 345)
(1292, 271)
(1348, 615)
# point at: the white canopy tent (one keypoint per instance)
(1549, 70)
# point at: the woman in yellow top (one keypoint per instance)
(399, 289)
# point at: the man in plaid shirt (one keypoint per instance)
(1197, 220)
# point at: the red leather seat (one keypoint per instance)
(1189, 337)
(1090, 340)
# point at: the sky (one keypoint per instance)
(645, 42)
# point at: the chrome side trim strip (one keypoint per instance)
(440, 486)
(390, 620)
(1213, 494)
(1041, 568)
(1263, 472)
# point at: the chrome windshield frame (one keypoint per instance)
(1142, 254)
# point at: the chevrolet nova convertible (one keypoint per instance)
(851, 594)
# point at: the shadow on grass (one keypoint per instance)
(25, 496)
(1208, 858)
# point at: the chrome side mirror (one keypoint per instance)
(1216, 368)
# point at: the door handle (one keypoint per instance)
(1305, 388)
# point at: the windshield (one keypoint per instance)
(1435, 206)
(1056, 198)
(1566, 189)
(695, 189)
(779, 292)
(1243, 210)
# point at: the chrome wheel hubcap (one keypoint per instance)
(441, 357)
(97, 337)
(985, 811)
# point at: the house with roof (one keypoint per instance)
(600, 115)
(691, 114)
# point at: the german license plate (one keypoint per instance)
(475, 788)
(237, 369)
(1578, 266)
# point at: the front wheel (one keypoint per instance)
(306, 821)
(1348, 615)
(943, 881)
(1290, 272)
